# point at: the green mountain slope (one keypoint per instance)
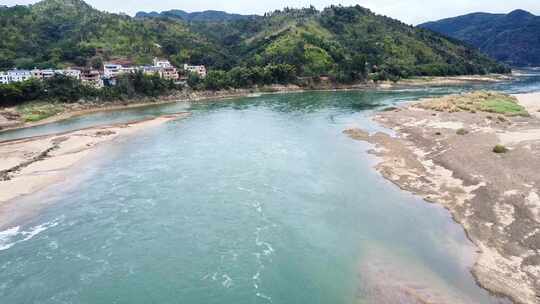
(348, 43)
(512, 38)
(353, 41)
(70, 32)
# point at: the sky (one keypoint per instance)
(408, 11)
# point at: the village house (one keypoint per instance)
(4, 78)
(112, 70)
(37, 73)
(18, 75)
(162, 63)
(49, 73)
(170, 73)
(127, 70)
(197, 69)
(92, 77)
(70, 73)
(165, 69)
(150, 70)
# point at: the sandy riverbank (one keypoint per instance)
(31, 164)
(10, 119)
(448, 158)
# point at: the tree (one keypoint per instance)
(216, 80)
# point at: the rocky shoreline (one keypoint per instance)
(448, 157)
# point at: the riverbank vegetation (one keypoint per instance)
(341, 45)
(66, 89)
(480, 101)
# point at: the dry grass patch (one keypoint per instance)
(480, 101)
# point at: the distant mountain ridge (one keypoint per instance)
(208, 16)
(512, 38)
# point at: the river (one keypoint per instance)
(251, 200)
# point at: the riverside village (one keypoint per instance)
(109, 74)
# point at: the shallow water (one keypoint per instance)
(254, 200)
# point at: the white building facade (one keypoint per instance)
(70, 73)
(162, 63)
(18, 75)
(4, 78)
(197, 69)
(111, 70)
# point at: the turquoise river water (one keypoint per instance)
(252, 200)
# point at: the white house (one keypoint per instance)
(111, 70)
(127, 70)
(162, 63)
(4, 78)
(43, 74)
(48, 73)
(197, 69)
(170, 73)
(150, 70)
(18, 75)
(70, 73)
(92, 77)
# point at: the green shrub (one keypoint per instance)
(500, 149)
(462, 132)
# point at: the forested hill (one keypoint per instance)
(513, 38)
(205, 16)
(54, 33)
(348, 43)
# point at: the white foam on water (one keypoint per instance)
(256, 279)
(257, 206)
(227, 282)
(14, 236)
(5, 237)
(269, 249)
(263, 296)
(257, 276)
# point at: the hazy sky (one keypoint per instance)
(409, 11)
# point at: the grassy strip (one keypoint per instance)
(502, 106)
(480, 101)
(36, 111)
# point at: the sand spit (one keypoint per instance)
(496, 197)
(28, 165)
